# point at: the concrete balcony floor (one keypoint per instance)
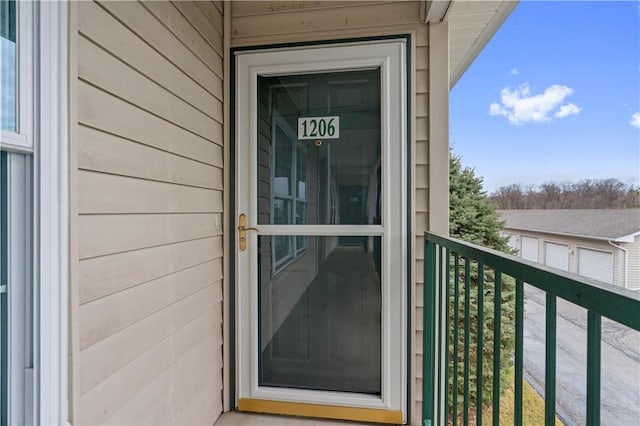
(235, 418)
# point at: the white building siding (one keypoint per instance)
(616, 261)
(633, 264)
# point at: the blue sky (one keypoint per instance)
(554, 96)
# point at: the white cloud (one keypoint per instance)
(635, 120)
(520, 106)
(514, 71)
(567, 110)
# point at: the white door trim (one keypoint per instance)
(390, 57)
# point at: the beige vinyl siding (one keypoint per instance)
(633, 263)
(147, 213)
(260, 23)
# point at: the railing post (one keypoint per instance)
(594, 330)
(456, 335)
(550, 361)
(480, 344)
(497, 326)
(447, 298)
(428, 344)
(519, 366)
(467, 341)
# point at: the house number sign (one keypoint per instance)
(319, 127)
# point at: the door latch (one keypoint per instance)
(242, 231)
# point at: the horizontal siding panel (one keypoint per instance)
(101, 360)
(103, 29)
(103, 111)
(344, 18)
(422, 81)
(422, 58)
(207, 24)
(422, 131)
(101, 235)
(422, 152)
(191, 378)
(148, 191)
(214, 11)
(134, 304)
(422, 177)
(106, 275)
(421, 221)
(101, 402)
(209, 51)
(422, 105)
(113, 76)
(422, 200)
(322, 36)
(194, 413)
(155, 406)
(251, 8)
(147, 27)
(103, 193)
(103, 152)
(419, 250)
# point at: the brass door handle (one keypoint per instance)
(242, 231)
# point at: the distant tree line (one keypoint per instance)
(585, 194)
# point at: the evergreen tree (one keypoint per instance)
(473, 218)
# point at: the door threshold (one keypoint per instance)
(354, 414)
(237, 418)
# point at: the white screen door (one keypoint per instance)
(321, 190)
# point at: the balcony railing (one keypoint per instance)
(460, 277)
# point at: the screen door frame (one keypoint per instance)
(390, 57)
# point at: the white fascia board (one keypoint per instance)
(627, 238)
(623, 239)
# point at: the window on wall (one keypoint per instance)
(289, 192)
(3, 289)
(16, 75)
(8, 64)
(33, 215)
(16, 305)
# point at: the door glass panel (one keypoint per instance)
(328, 180)
(320, 313)
(8, 55)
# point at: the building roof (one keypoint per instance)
(604, 224)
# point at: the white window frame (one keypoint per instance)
(22, 139)
(38, 385)
(390, 56)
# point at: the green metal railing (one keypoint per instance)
(455, 272)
